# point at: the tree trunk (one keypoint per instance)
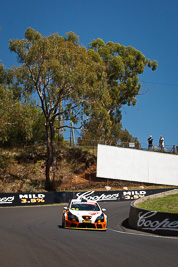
(60, 122)
(51, 161)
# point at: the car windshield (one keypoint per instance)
(85, 206)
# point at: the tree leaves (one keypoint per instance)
(123, 65)
(68, 80)
(19, 122)
(77, 84)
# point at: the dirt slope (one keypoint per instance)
(23, 170)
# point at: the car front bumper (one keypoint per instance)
(86, 226)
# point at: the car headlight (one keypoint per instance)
(72, 217)
(100, 218)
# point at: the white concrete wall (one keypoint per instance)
(136, 165)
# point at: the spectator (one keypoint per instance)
(161, 142)
(150, 142)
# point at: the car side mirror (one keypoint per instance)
(65, 208)
(103, 209)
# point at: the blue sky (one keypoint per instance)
(149, 26)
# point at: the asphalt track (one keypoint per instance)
(32, 236)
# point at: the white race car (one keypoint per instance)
(83, 214)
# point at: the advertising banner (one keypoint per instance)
(28, 199)
(136, 165)
(154, 222)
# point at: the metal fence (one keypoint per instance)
(92, 144)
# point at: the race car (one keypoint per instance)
(83, 214)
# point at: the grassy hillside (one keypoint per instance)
(163, 204)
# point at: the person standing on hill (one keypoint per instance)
(161, 142)
(150, 142)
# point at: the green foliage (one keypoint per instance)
(3, 74)
(59, 70)
(117, 134)
(74, 85)
(123, 66)
(20, 123)
(88, 85)
(65, 76)
(71, 37)
(3, 161)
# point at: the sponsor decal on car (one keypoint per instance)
(94, 213)
(81, 202)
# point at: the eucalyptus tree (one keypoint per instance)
(123, 67)
(20, 123)
(59, 70)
